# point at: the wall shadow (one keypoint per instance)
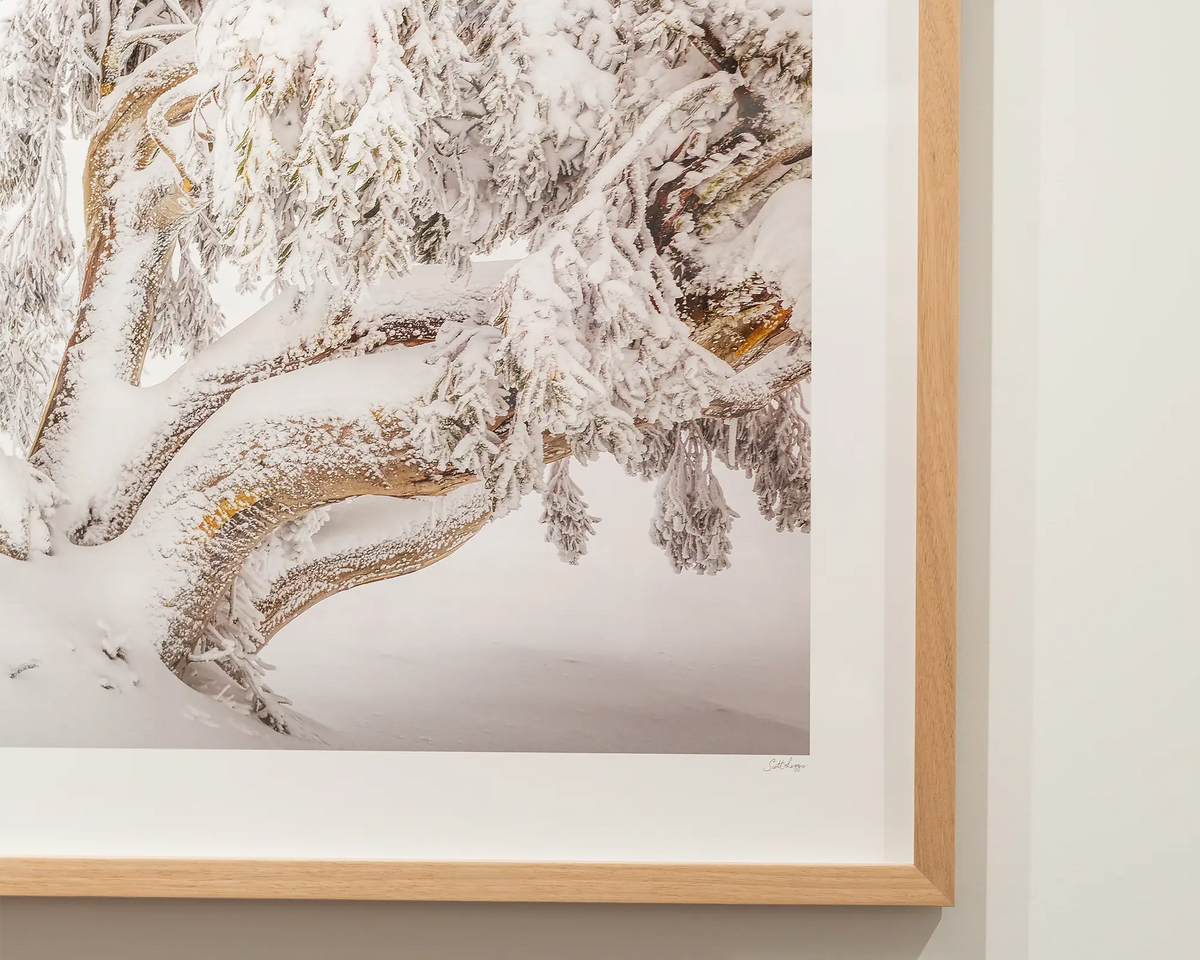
(94, 929)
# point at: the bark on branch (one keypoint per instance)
(344, 558)
(279, 463)
(131, 227)
(239, 360)
(262, 462)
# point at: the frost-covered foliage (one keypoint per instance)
(593, 347)
(36, 247)
(28, 500)
(691, 518)
(548, 77)
(772, 445)
(326, 109)
(188, 316)
(592, 341)
(714, 184)
(43, 47)
(569, 526)
(769, 41)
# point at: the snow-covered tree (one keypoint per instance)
(394, 395)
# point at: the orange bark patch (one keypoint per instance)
(224, 511)
(764, 330)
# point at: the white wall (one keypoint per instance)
(1115, 771)
(1080, 566)
(1093, 797)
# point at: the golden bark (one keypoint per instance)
(219, 513)
(314, 580)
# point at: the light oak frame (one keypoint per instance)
(928, 880)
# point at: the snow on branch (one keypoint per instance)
(137, 29)
(321, 553)
(275, 451)
(28, 498)
(757, 385)
(289, 334)
(591, 342)
(324, 115)
(365, 540)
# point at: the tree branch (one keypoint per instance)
(757, 385)
(739, 324)
(372, 539)
(280, 448)
(283, 337)
(276, 450)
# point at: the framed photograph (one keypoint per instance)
(475, 450)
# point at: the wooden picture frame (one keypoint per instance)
(928, 880)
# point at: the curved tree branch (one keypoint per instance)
(275, 451)
(279, 448)
(282, 338)
(367, 540)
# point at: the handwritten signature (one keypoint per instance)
(784, 763)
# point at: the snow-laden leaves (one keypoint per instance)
(768, 41)
(592, 344)
(691, 518)
(28, 498)
(542, 110)
(325, 110)
(569, 526)
(188, 316)
(37, 246)
(772, 445)
(34, 35)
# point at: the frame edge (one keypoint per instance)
(485, 881)
(928, 881)
(937, 443)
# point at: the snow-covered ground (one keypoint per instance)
(617, 654)
(499, 647)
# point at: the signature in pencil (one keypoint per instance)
(784, 763)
